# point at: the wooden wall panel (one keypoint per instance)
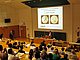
(22, 31)
(6, 30)
(17, 31)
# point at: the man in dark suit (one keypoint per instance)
(1, 36)
(50, 34)
(11, 35)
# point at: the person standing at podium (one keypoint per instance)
(50, 34)
(11, 35)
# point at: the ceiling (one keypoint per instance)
(18, 4)
(45, 3)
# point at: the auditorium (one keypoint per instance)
(39, 29)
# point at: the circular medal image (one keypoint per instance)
(54, 19)
(44, 19)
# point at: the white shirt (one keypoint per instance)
(10, 57)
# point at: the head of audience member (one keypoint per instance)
(7, 42)
(32, 43)
(52, 49)
(49, 45)
(21, 49)
(45, 48)
(73, 51)
(1, 47)
(36, 49)
(31, 51)
(19, 43)
(10, 45)
(22, 43)
(55, 51)
(62, 48)
(40, 48)
(15, 43)
(62, 55)
(66, 57)
(50, 56)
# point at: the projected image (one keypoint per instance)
(54, 19)
(50, 17)
(45, 19)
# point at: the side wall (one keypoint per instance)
(8, 12)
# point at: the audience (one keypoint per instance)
(15, 45)
(55, 55)
(73, 55)
(38, 53)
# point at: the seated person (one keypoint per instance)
(32, 43)
(31, 53)
(9, 46)
(49, 45)
(15, 45)
(44, 55)
(3, 54)
(40, 48)
(55, 55)
(11, 55)
(73, 55)
(52, 49)
(37, 53)
(19, 44)
(43, 43)
(21, 49)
